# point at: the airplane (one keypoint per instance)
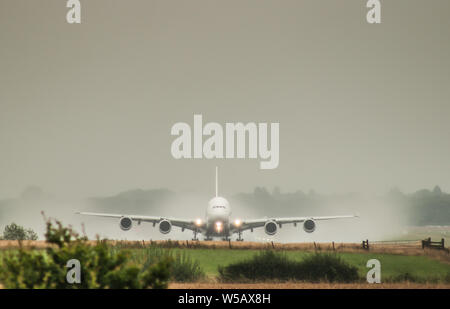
(217, 222)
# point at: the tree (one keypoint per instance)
(17, 232)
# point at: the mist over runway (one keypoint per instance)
(379, 217)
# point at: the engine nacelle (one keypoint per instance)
(309, 225)
(165, 226)
(125, 223)
(270, 228)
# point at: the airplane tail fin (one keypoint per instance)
(217, 181)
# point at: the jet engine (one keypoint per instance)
(270, 228)
(309, 226)
(165, 226)
(125, 223)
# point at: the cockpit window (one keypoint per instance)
(219, 207)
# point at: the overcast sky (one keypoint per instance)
(87, 109)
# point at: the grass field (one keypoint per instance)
(393, 266)
(399, 262)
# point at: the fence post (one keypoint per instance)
(442, 243)
(365, 244)
(229, 243)
(333, 246)
(273, 245)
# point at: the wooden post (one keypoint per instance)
(442, 243)
(333, 246)
(229, 243)
(365, 244)
(315, 247)
(273, 247)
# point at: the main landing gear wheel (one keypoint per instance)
(240, 236)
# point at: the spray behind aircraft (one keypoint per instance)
(217, 222)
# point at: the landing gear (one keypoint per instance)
(240, 236)
(208, 238)
(195, 236)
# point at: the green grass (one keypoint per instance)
(275, 265)
(421, 267)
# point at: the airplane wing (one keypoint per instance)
(251, 224)
(183, 224)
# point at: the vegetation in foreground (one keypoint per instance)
(101, 267)
(183, 267)
(420, 268)
(272, 265)
(198, 264)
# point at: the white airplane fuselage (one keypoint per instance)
(218, 215)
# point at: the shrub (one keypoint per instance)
(17, 232)
(328, 267)
(100, 266)
(263, 266)
(183, 268)
(271, 265)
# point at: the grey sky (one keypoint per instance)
(87, 109)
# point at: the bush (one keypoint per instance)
(17, 232)
(183, 269)
(328, 267)
(100, 266)
(271, 265)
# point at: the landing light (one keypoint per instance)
(218, 226)
(198, 222)
(237, 222)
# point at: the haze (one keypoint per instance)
(86, 110)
